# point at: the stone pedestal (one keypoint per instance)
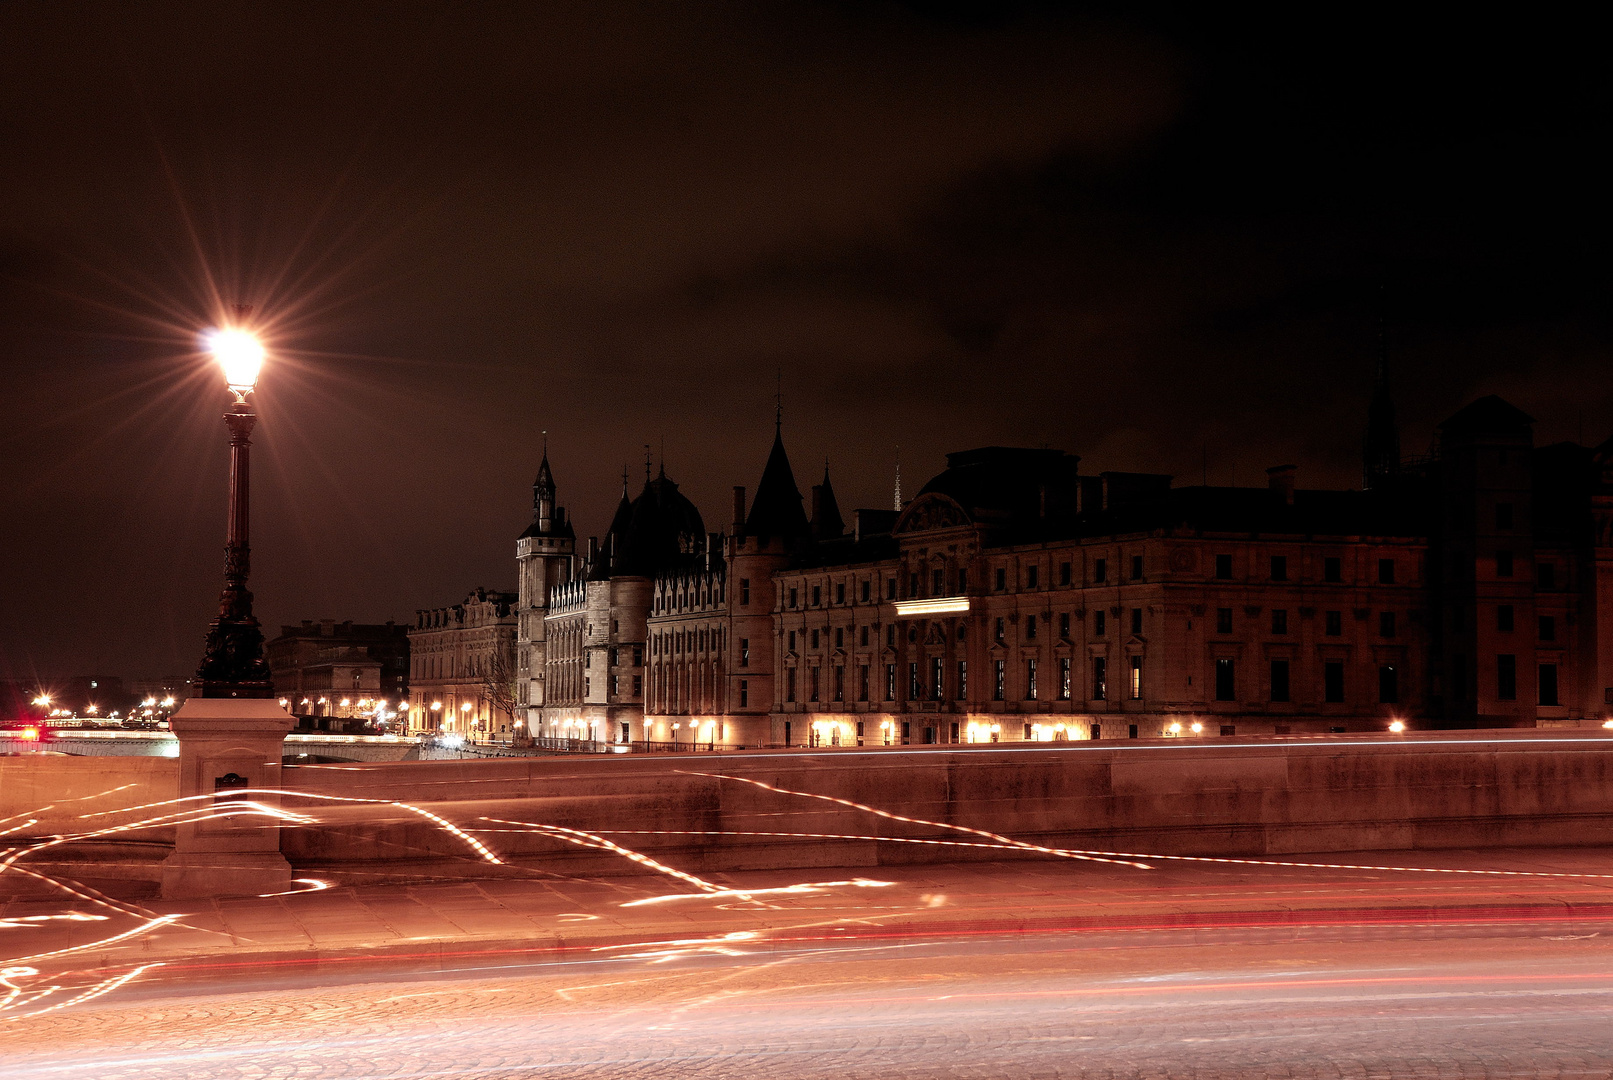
(229, 754)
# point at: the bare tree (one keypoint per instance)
(498, 682)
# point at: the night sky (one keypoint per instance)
(1162, 239)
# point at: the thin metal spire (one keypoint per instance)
(898, 501)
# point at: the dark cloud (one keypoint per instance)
(1159, 237)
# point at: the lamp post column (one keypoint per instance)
(231, 731)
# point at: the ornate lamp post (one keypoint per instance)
(234, 665)
(231, 731)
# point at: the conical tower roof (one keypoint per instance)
(776, 511)
(826, 520)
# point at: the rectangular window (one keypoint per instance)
(963, 581)
(744, 590)
(1386, 624)
(864, 588)
(792, 641)
(937, 582)
(840, 592)
(840, 683)
(937, 678)
(1030, 679)
(1333, 680)
(789, 684)
(1506, 677)
(890, 588)
(1064, 573)
(1503, 516)
(912, 584)
(1000, 625)
(1002, 579)
(1001, 688)
(1100, 571)
(744, 652)
(1064, 625)
(963, 682)
(1226, 685)
(615, 685)
(613, 656)
(1279, 568)
(1388, 683)
(1332, 569)
(862, 682)
(1064, 678)
(840, 637)
(1223, 567)
(1503, 617)
(1548, 628)
(1279, 620)
(1100, 685)
(817, 595)
(744, 693)
(1546, 575)
(915, 692)
(1136, 620)
(1136, 568)
(890, 636)
(638, 656)
(1223, 620)
(1503, 564)
(1136, 678)
(1099, 621)
(864, 636)
(890, 682)
(1032, 576)
(792, 598)
(1279, 680)
(1030, 628)
(1334, 623)
(638, 685)
(1548, 684)
(814, 639)
(1386, 571)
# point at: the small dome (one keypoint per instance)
(663, 530)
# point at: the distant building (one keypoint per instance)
(463, 676)
(343, 669)
(1018, 599)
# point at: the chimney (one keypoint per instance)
(739, 511)
(1280, 478)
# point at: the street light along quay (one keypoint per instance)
(232, 732)
(233, 664)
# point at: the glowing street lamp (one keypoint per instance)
(233, 665)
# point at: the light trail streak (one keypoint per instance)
(587, 839)
(27, 922)
(748, 894)
(1066, 853)
(89, 995)
(144, 928)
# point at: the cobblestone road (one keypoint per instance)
(1286, 1004)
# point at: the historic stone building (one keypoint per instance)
(462, 659)
(1017, 599)
(344, 669)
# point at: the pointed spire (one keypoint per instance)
(898, 500)
(827, 524)
(776, 510)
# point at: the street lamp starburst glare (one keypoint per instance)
(240, 354)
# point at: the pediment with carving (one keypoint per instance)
(932, 511)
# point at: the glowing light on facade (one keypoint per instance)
(950, 605)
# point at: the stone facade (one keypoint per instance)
(462, 667)
(1018, 599)
(345, 669)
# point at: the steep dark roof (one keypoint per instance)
(826, 520)
(1488, 416)
(543, 490)
(776, 511)
(997, 481)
